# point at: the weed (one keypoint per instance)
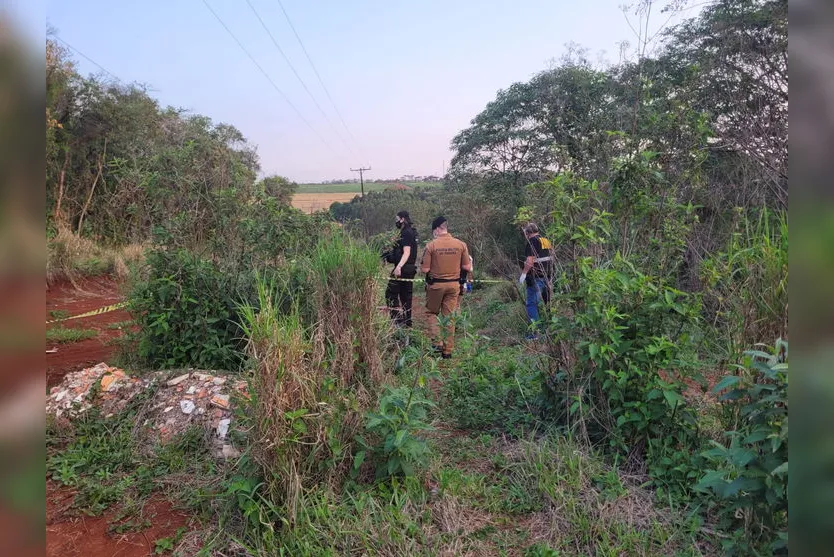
(396, 426)
(64, 335)
(164, 545)
(57, 314)
(748, 475)
(493, 390)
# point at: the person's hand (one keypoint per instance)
(522, 278)
(398, 271)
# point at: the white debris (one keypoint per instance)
(223, 428)
(168, 409)
(186, 406)
(229, 451)
(191, 390)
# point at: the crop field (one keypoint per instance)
(312, 202)
(354, 188)
(316, 197)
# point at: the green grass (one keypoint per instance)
(58, 314)
(109, 462)
(349, 188)
(121, 324)
(63, 335)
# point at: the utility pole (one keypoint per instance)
(360, 170)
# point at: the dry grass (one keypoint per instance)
(72, 257)
(310, 397)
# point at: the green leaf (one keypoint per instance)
(593, 350)
(358, 460)
(726, 383)
(398, 439)
(781, 470)
(673, 399)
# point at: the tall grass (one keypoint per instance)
(284, 397)
(746, 285)
(72, 257)
(350, 333)
(313, 383)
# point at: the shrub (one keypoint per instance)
(395, 426)
(618, 346)
(747, 476)
(186, 312)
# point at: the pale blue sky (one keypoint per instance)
(406, 76)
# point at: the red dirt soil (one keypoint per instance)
(93, 294)
(80, 535)
(68, 533)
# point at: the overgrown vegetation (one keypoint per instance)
(665, 199)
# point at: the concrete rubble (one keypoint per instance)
(190, 398)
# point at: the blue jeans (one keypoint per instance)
(534, 296)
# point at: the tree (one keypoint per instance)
(278, 187)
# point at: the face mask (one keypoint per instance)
(399, 224)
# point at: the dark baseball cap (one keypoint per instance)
(439, 221)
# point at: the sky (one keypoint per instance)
(406, 77)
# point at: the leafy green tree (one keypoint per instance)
(278, 187)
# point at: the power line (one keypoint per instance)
(266, 75)
(287, 60)
(321, 81)
(102, 68)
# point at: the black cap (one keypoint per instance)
(439, 221)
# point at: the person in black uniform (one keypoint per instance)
(399, 293)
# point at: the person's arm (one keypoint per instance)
(528, 262)
(406, 254)
(465, 260)
(425, 263)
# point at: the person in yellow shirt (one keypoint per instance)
(445, 261)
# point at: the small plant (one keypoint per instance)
(63, 335)
(57, 314)
(396, 426)
(164, 545)
(748, 475)
(540, 550)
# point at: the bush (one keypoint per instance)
(186, 312)
(619, 344)
(747, 476)
(395, 426)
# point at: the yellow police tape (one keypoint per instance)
(424, 280)
(105, 309)
(121, 305)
